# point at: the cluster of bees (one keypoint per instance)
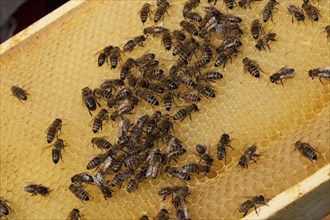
(137, 154)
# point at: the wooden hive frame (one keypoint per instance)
(308, 199)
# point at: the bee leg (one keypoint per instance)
(245, 212)
(90, 112)
(255, 208)
(321, 80)
(282, 82)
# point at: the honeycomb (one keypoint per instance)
(55, 63)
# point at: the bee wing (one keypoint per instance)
(149, 171)
(325, 69)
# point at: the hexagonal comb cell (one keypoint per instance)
(56, 62)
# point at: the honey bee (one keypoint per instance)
(96, 161)
(131, 80)
(36, 189)
(209, 76)
(123, 109)
(248, 204)
(194, 16)
(162, 215)
(123, 94)
(168, 82)
(19, 93)
(144, 217)
(154, 30)
(181, 214)
(205, 90)
(248, 154)
(165, 124)
(126, 68)
(306, 150)
(161, 10)
(155, 74)
(221, 148)
(79, 192)
(246, 3)
(187, 81)
(152, 123)
(184, 112)
(166, 191)
(136, 41)
(74, 214)
(119, 178)
(112, 84)
(195, 168)
(81, 178)
(180, 196)
(168, 100)
(133, 183)
(225, 56)
(154, 160)
(173, 144)
(123, 131)
(229, 3)
(144, 12)
(207, 158)
(256, 28)
(114, 57)
(101, 143)
(179, 49)
(148, 67)
(177, 67)
(104, 94)
(167, 40)
(155, 87)
(101, 184)
(191, 70)
(262, 42)
(226, 28)
(4, 207)
(53, 130)
(233, 18)
(189, 5)
(116, 165)
(283, 73)
(252, 67)
(327, 29)
(296, 13)
(181, 175)
(268, 10)
(56, 151)
(189, 27)
(98, 121)
(229, 43)
(179, 35)
(322, 72)
(311, 11)
(89, 99)
(147, 96)
(206, 50)
(103, 56)
(151, 137)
